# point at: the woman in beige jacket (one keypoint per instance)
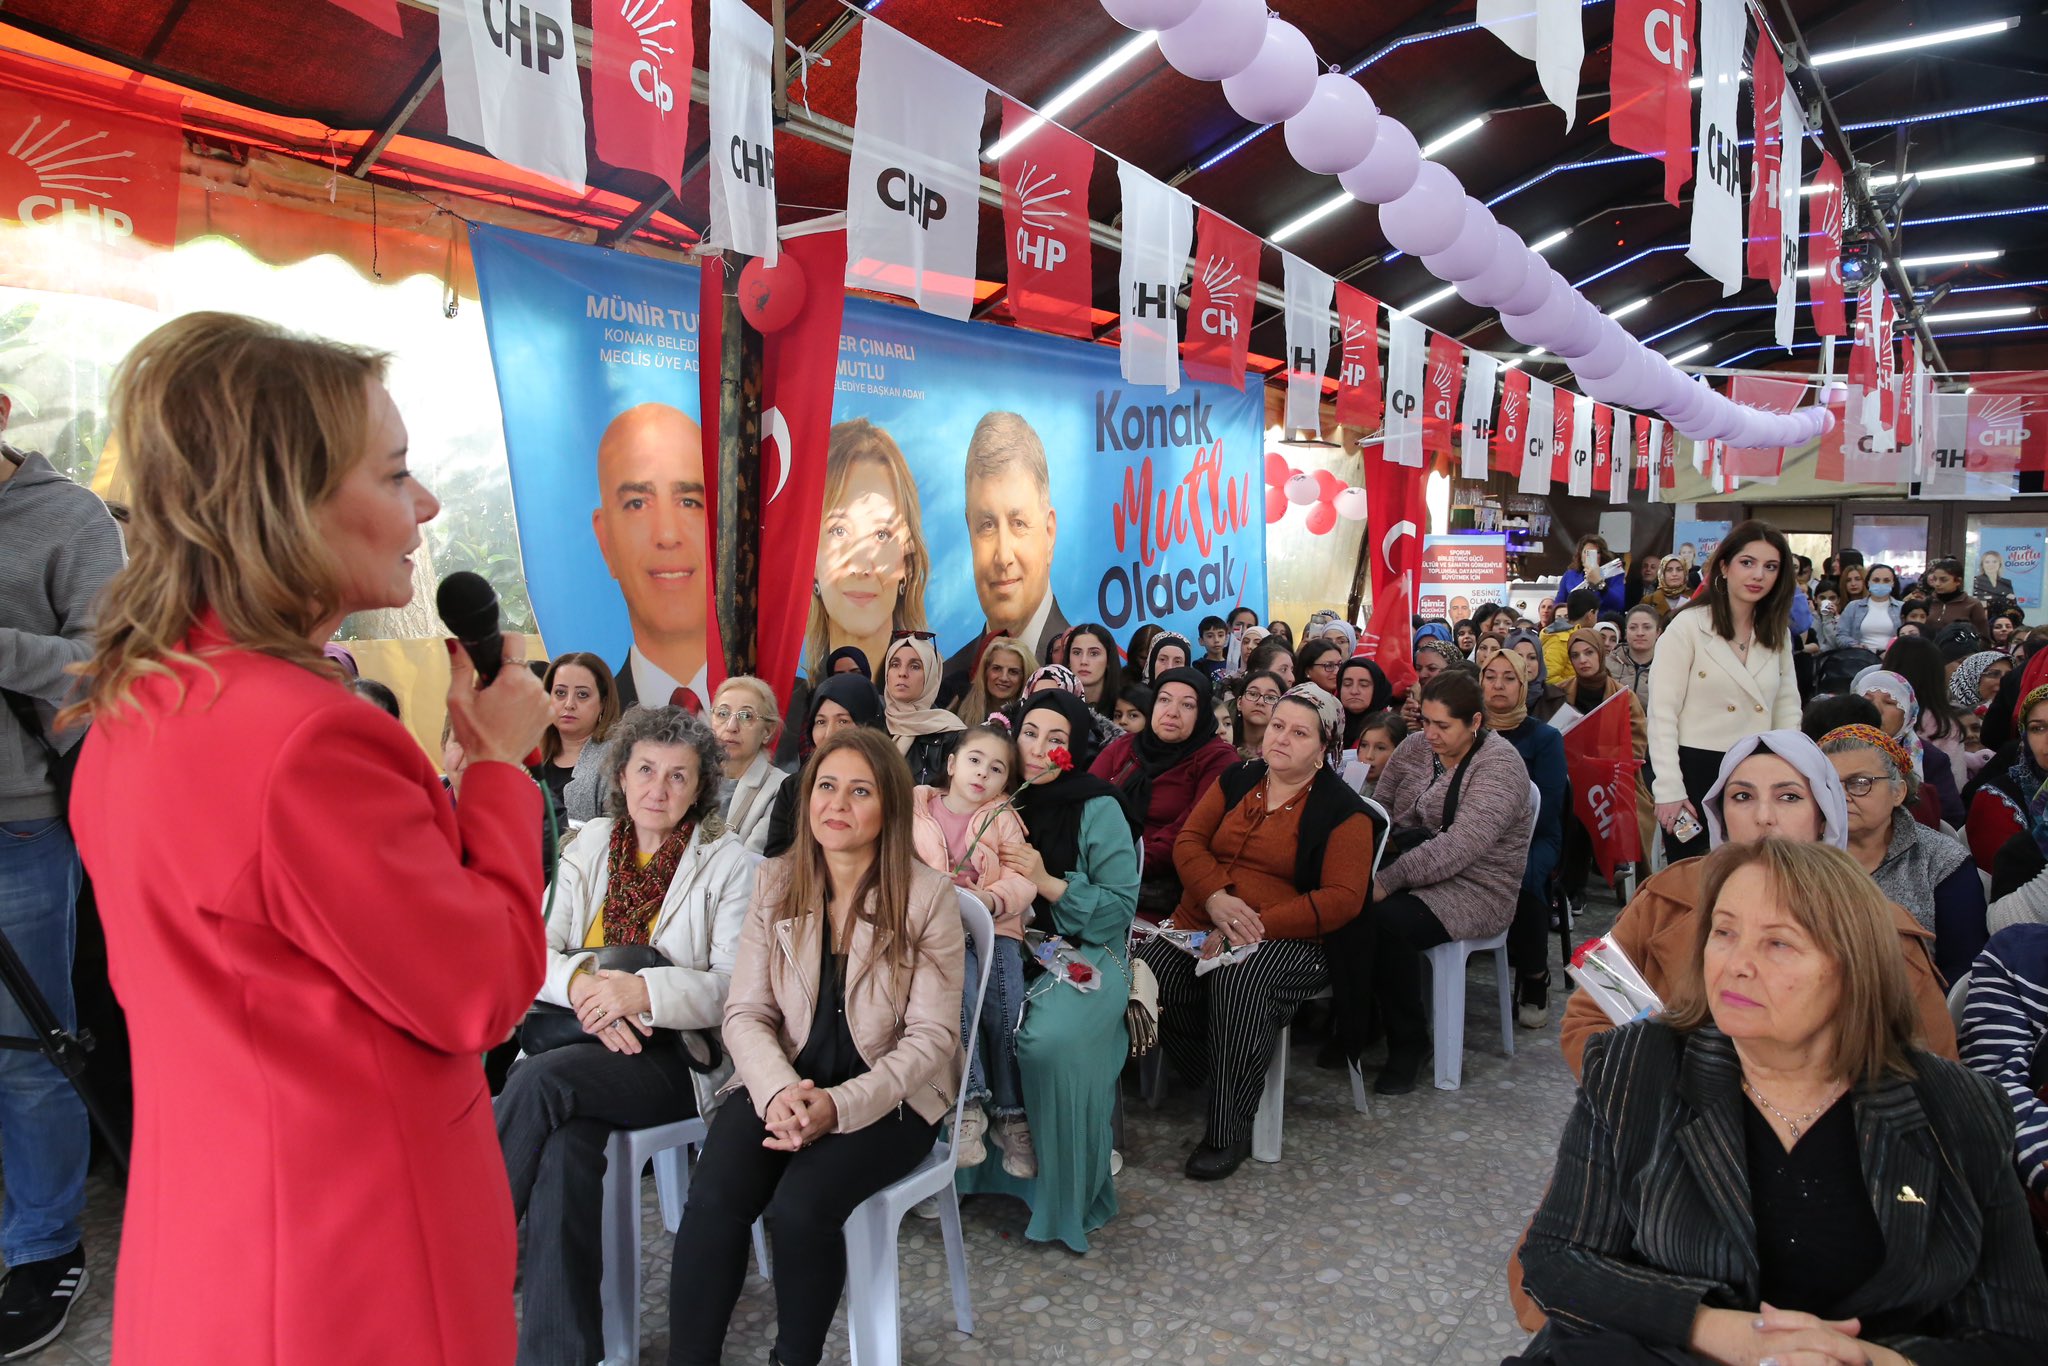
(843, 1021)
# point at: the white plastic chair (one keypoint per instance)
(1268, 1124)
(626, 1156)
(1447, 985)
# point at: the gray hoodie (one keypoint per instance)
(60, 548)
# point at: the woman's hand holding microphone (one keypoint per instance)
(502, 723)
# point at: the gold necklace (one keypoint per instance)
(1795, 1127)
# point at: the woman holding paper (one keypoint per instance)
(1774, 1169)
(1594, 566)
(1277, 853)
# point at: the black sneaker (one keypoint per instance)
(36, 1300)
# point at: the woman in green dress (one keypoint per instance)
(1071, 1046)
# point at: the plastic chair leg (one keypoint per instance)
(1266, 1127)
(1358, 1100)
(872, 1286)
(1447, 976)
(956, 1259)
(672, 1184)
(619, 1236)
(1506, 977)
(761, 1258)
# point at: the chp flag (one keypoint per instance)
(1716, 241)
(639, 49)
(1157, 222)
(1538, 437)
(1220, 304)
(1307, 294)
(1044, 173)
(1651, 99)
(742, 153)
(1361, 404)
(1550, 33)
(511, 86)
(913, 182)
(1510, 431)
(1440, 394)
(1474, 442)
(1830, 318)
(1599, 755)
(1789, 171)
(1404, 390)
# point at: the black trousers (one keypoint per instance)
(1403, 927)
(806, 1196)
(1698, 769)
(555, 1115)
(1222, 1027)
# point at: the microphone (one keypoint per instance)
(469, 609)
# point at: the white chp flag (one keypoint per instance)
(1159, 225)
(1621, 453)
(1475, 415)
(1579, 473)
(1405, 348)
(1308, 293)
(913, 186)
(1549, 33)
(1656, 452)
(1788, 213)
(742, 156)
(512, 89)
(1539, 439)
(1717, 191)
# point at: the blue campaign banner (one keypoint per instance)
(977, 478)
(2010, 563)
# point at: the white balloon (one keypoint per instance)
(1149, 14)
(1280, 80)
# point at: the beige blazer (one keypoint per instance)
(1703, 695)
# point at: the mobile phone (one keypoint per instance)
(1685, 827)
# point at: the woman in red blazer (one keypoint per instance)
(313, 945)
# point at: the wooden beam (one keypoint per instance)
(401, 113)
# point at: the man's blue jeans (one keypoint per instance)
(43, 1129)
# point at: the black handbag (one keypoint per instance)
(1403, 838)
(548, 1026)
(61, 763)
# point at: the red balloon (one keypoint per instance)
(771, 296)
(1276, 504)
(1329, 485)
(1278, 471)
(1321, 518)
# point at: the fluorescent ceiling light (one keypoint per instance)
(1970, 315)
(1458, 134)
(1134, 47)
(1953, 258)
(1918, 40)
(1694, 354)
(1700, 82)
(1632, 306)
(1545, 244)
(1515, 364)
(1967, 168)
(1309, 219)
(1430, 300)
(1536, 351)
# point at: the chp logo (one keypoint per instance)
(1039, 196)
(1221, 282)
(2001, 420)
(649, 26)
(61, 173)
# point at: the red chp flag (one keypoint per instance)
(1599, 754)
(1045, 228)
(641, 51)
(1667, 459)
(382, 13)
(1361, 396)
(1394, 521)
(1644, 456)
(1772, 395)
(1829, 319)
(1562, 412)
(1510, 432)
(1440, 384)
(1766, 249)
(2009, 411)
(1603, 448)
(1652, 84)
(1909, 376)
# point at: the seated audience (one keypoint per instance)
(1921, 665)
(1459, 800)
(1166, 650)
(1714, 1191)
(2008, 794)
(1580, 613)
(923, 732)
(1362, 690)
(1277, 853)
(660, 883)
(1898, 706)
(1317, 662)
(744, 720)
(2004, 1034)
(1215, 637)
(1381, 735)
(1162, 772)
(1281, 631)
(843, 1021)
(1543, 699)
(847, 659)
(842, 701)
(998, 679)
(1274, 656)
(1432, 657)
(572, 753)
(1592, 683)
(1059, 678)
(1092, 655)
(1343, 635)
(1138, 654)
(1134, 709)
(1925, 871)
(1975, 681)
(1082, 863)
(1504, 687)
(1465, 635)
(1254, 710)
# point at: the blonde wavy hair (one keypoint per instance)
(853, 443)
(232, 432)
(976, 705)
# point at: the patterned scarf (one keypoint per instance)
(633, 895)
(1877, 740)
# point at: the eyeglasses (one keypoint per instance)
(1260, 695)
(746, 716)
(1323, 665)
(895, 636)
(1862, 785)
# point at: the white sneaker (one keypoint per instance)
(1020, 1157)
(927, 1208)
(969, 1148)
(1116, 1162)
(1532, 1016)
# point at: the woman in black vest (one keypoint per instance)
(1278, 852)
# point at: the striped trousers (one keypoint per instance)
(1222, 1028)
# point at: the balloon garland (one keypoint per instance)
(1324, 495)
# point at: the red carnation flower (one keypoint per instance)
(1061, 759)
(1579, 953)
(1079, 973)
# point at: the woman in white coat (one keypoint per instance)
(743, 718)
(1723, 671)
(658, 875)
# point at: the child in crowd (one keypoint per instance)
(1134, 709)
(1215, 647)
(964, 831)
(1382, 735)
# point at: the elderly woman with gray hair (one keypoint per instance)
(642, 935)
(1925, 871)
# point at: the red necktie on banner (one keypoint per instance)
(384, 15)
(1603, 448)
(1440, 384)
(1561, 440)
(1651, 83)
(1220, 304)
(1510, 431)
(639, 55)
(1766, 251)
(1829, 318)
(1045, 227)
(1361, 400)
(1599, 755)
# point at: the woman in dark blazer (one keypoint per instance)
(1772, 1170)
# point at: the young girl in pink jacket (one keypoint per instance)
(963, 831)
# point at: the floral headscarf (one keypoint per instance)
(1877, 740)
(1329, 710)
(1963, 683)
(1895, 686)
(1059, 674)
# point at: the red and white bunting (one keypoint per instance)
(1158, 221)
(1539, 438)
(1476, 417)
(1306, 292)
(1405, 349)
(1511, 432)
(1789, 172)
(1622, 454)
(1771, 395)
(1763, 254)
(1361, 405)
(1716, 241)
(1603, 448)
(1044, 174)
(1578, 470)
(1550, 33)
(1651, 108)
(1220, 305)
(639, 49)
(1829, 316)
(742, 123)
(1440, 385)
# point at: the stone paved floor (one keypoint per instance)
(1374, 1239)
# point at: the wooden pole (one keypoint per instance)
(739, 469)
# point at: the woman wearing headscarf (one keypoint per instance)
(1362, 689)
(1063, 679)
(1176, 652)
(842, 700)
(795, 744)
(1543, 699)
(923, 731)
(1344, 634)
(1433, 654)
(1592, 684)
(1504, 687)
(1082, 862)
(1163, 771)
(1972, 686)
(1899, 704)
(2008, 795)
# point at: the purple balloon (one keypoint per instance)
(1280, 80)
(1428, 217)
(1389, 169)
(1673, 388)
(1627, 381)
(1336, 129)
(1604, 389)
(1554, 315)
(1149, 14)
(1583, 333)
(1609, 352)
(1688, 405)
(1218, 40)
(1520, 326)
(1503, 276)
(1472, 251)
(1534, 289)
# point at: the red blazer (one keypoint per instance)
(314, 947)
(1174, 792)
